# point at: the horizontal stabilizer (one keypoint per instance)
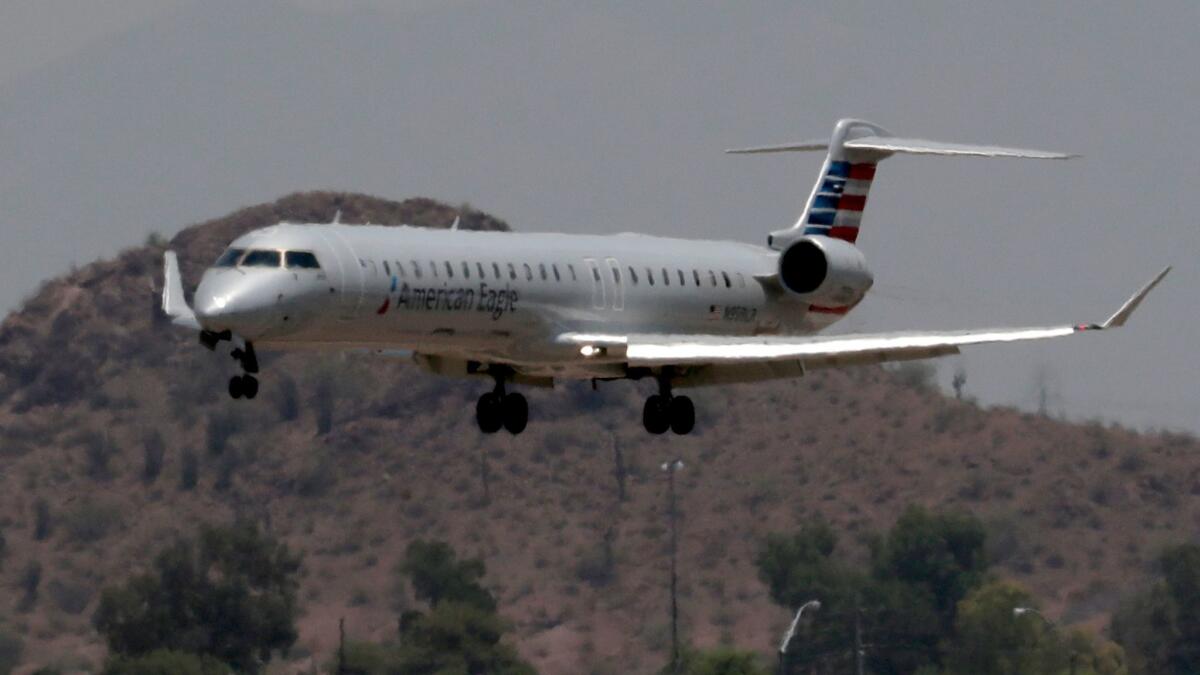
(918, 146)
(802, 146)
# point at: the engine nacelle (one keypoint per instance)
(825, 271)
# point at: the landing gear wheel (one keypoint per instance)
(235, 387)
(249, 386)
(488, 413)
(516, 413)
(683, 415)
(654, 414)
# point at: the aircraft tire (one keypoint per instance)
(235, 387)
(249, 386)
(654, 415)
(682, 414)
(516, 413)
(488, 413)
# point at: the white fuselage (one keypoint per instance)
(494, 297)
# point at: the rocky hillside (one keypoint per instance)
(117, 434)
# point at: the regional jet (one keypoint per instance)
(534, 309)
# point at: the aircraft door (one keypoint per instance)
(348, 275)
(618, 295)
(598, 296)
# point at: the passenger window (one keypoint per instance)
(399, 269)
(512, 272)
(449, 270)
(416, 269)
(261, 259)
(712, 278)
(387, 268)
(596, 274)
(229, 258)
(528, 271)
(666, 277)
(479, 268)
(301, 260)
(542, 270)
(433, 269)
(728, 283)
(496, 270)
(571, 269)
(554, 268)
(649, 276)
(466, 270)
(616, 272)
(632, 276)
(681, 280)
(696, 276)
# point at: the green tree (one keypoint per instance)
(457, 637)
(438, 576)
(990, 640)
(719, 661)
(1160, 627)
(230, 594)
(165, 662)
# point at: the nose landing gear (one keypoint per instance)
(245, 384)
(665, 411)
(497, 409)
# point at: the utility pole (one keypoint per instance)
(341, 665)
(671, 467)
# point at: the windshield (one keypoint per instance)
(261, 259)
(229, 258)
(303, 260)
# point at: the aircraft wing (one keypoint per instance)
(713, 359)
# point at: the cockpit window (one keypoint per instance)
(230, 257)
(258, 258)
(304, 260)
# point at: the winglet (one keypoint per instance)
(454, 225)
(1122, 315)
(173, 303)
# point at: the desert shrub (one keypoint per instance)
(227, 468)
(287, 399)
(189, 469)
(43, 522)
(3, 548)
(1132, 462)
(89, 521)
(97, 451)
(324, 399)
(316, 477)
(366, 658)
(154, 448)
(70, 596)
(11, 648)
(220, 426)
(30, 581)
(596, 565)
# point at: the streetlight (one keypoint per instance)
(791, 631)
(1021, 611)
(671, 467)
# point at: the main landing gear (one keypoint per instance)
(497, 409)
(665, 411)
(244, 384)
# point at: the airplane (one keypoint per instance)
(537, 308)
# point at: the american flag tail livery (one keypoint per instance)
(835, 205)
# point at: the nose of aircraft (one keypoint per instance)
(236, 301)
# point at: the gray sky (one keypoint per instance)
(123, 117)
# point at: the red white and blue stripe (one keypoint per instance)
(837, 205)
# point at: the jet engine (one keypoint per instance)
(825, 271)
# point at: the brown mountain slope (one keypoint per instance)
(88, 382)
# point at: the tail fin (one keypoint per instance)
(835, 206)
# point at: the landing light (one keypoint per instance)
(589, 351)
